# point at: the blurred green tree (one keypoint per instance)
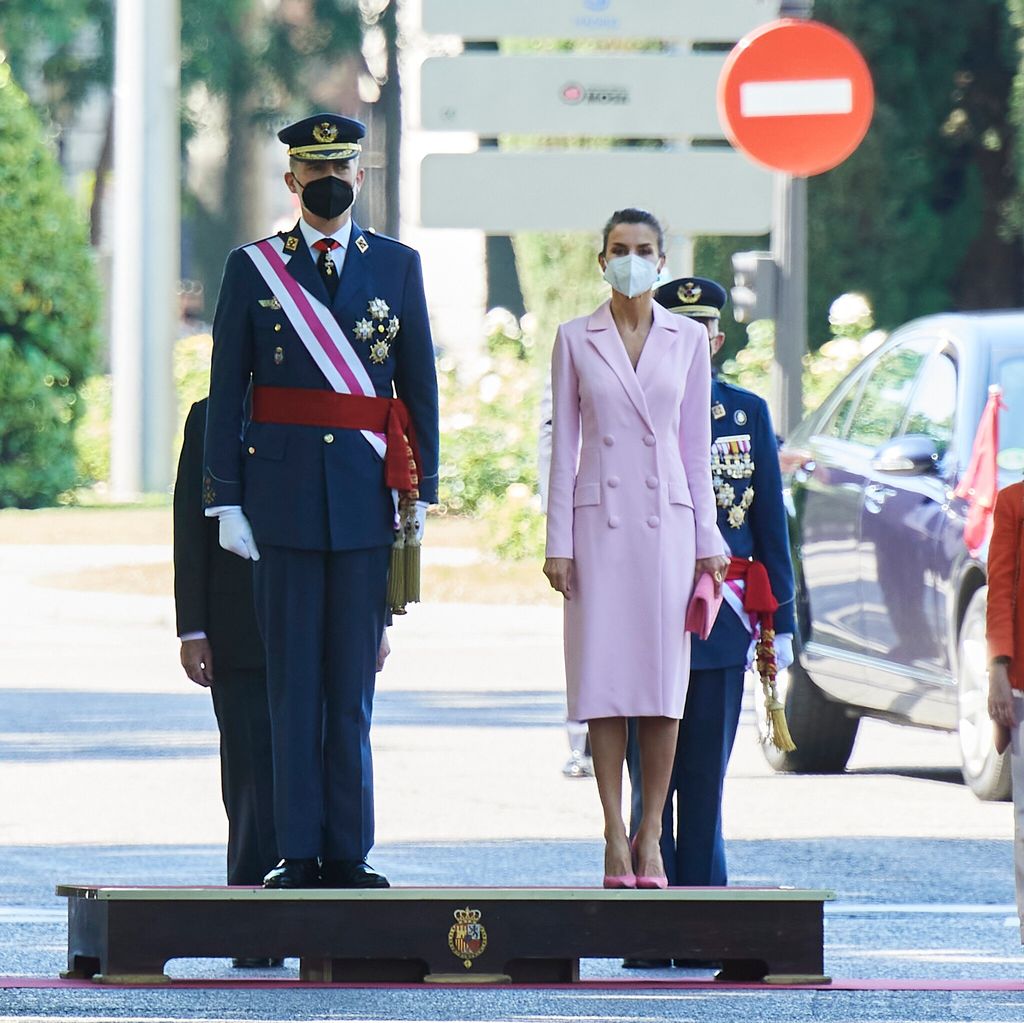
(49, 303)
(67, 48)
(917, 218)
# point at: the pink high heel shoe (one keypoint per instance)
(621, 880)
(646, 880)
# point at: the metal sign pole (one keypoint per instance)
(789, 246)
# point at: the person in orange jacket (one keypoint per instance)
(1005, 629)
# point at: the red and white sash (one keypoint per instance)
(317, 328)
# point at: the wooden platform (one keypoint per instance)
(412, 935)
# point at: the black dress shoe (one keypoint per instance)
(294, 874)
(646, 964)
(242, 963)
(350, 874)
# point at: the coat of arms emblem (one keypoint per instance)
(325, 132)
(467, 938)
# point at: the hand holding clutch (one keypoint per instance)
(703, 609)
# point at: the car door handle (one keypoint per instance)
(875, 495)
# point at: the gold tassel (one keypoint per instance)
(412, 571)
(396, 575)
(775, 711)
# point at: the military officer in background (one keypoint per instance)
(324, 330)
(752, 520)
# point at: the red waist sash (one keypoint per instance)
(758, 598)
(303, 406)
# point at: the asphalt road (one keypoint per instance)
(108, 773)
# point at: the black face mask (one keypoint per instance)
(328, 197)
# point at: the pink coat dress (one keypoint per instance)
(630, 501)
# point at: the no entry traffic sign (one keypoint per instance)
(796, 96)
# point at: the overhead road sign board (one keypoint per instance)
(693, 191)
(796, 96)
(692, 20)
(637, 96)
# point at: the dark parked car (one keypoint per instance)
(890, 603)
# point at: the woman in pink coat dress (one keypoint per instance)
(631, 524)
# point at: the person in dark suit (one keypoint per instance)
(327, 326)
(221, 650)
(752, 519)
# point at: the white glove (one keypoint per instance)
(419, 519)
(783, 650)
(236, 533)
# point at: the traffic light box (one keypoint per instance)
(755, 284)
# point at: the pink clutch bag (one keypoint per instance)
(703, 609)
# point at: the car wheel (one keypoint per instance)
(985, 771)
(823, 731)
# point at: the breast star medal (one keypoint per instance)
(379, 330)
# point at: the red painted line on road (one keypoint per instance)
(840, 984)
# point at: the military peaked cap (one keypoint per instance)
(323, 137)
(693, 296)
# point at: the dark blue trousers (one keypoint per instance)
(691, 840)
(246, 771)
(321, 614)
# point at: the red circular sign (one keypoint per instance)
(796, 96)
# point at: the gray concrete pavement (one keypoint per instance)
(108, 773)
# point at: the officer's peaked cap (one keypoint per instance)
(693, 296)
(323, 137)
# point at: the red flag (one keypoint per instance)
(980, 482)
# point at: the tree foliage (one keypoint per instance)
(48, 310)
(917, 218)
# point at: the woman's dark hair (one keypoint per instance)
(633, 216)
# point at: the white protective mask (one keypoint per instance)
(631, 275)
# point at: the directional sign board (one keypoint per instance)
(796, 96)
(702, 191)
(635, 96)
(705, 20)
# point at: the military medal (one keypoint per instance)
(739, 417)
(379, 329)
(270, 303)
(718, 410)
(278, 356)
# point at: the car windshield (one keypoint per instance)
(1009, 375)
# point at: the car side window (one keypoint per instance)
(885, 396)
(933, 405)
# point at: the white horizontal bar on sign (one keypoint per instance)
(796, 98)
(693, 191)
(644, 95)
(693, 20)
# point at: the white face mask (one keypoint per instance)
(631, 275)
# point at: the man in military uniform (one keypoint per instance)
(323, 330)
(752, 520)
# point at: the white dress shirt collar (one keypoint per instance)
(341, 236)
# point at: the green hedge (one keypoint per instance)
(49, 301)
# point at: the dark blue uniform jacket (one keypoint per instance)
(757, 531)
(308, 487)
